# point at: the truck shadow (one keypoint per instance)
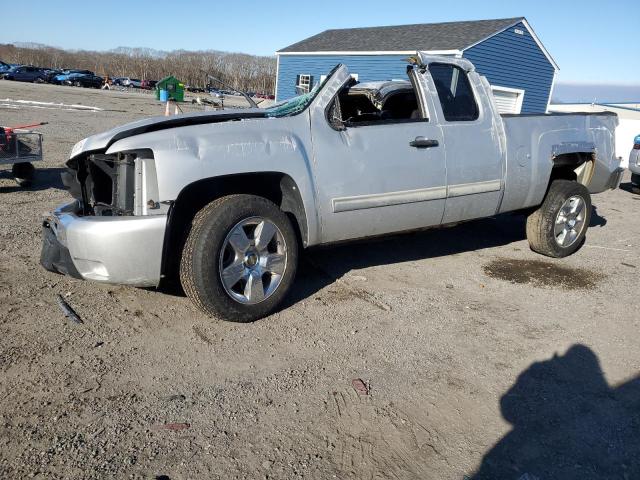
(45, 178)
(322, 266)
(568, 423)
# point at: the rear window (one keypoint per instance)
(454, 92)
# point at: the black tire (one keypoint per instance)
(541, 223)
(635, 179)
(201, 256)
(23, 173)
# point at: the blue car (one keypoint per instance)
(66, 74)
(26, 74)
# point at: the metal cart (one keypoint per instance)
(20, 147)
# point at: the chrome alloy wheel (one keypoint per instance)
(570, 221)
(253, 260)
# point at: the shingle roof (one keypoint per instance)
(422, 36)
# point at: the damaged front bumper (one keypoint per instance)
(121, 249)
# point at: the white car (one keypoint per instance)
(634, 162)
(131, 82)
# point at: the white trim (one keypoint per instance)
(275, 94)
(553, 84)
(544, 50)
(533, 35)
(519, 91)
(390, 52)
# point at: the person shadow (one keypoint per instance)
(568, 423)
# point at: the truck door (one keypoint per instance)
(474, 150)
(376, 171)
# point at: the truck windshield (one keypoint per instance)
(295, 105)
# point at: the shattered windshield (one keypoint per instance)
(298, 104)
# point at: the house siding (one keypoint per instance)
(507, 59)
(516, 61)
(368, 67)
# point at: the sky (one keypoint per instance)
(594, 42)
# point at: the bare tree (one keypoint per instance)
(242, 71)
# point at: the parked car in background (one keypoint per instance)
(25, 74)
(60, 79)
(216, 93)
(84, 80)
(224, 199)
(49, 74)
(9, 71)
(131, 82)
(148, 84)
(634, 162)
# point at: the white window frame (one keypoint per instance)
(304, 85)
(519, 91)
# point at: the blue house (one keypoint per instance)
(506, 51)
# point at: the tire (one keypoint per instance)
(77, 84)
(213, 245)
(557, 233)
(635, 179)
(23, 173)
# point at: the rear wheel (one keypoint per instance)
(23, 173)
(240, 258)
(559, 226)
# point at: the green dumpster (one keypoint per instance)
(173, 87)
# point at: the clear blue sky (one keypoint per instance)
(592, 41)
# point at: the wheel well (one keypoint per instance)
(576, 166)
(277, 187)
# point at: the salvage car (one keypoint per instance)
(634, 162)
(84, 80)
(225, 200)
(64, 76)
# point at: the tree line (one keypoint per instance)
(239, 70)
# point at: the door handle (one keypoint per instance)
(422, 142)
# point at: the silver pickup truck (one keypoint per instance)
(225, 200)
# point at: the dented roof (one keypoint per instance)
(422, 36)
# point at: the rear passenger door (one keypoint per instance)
(474, 153)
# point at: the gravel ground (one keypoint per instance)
(479, 358)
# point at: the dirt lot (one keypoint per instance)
(481, 358)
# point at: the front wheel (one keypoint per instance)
(240, 258)
(559, 226)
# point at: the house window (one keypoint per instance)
(303, 83)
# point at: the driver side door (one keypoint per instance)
(378, 177)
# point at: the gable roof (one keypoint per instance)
(422, 36)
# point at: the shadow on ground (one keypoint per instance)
(322, 266)
(45, 178)
(629, 187)
(568, 423)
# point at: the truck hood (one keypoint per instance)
(102, 141)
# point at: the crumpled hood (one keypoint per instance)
(102, 141)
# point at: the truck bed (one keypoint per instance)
(534, 140)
